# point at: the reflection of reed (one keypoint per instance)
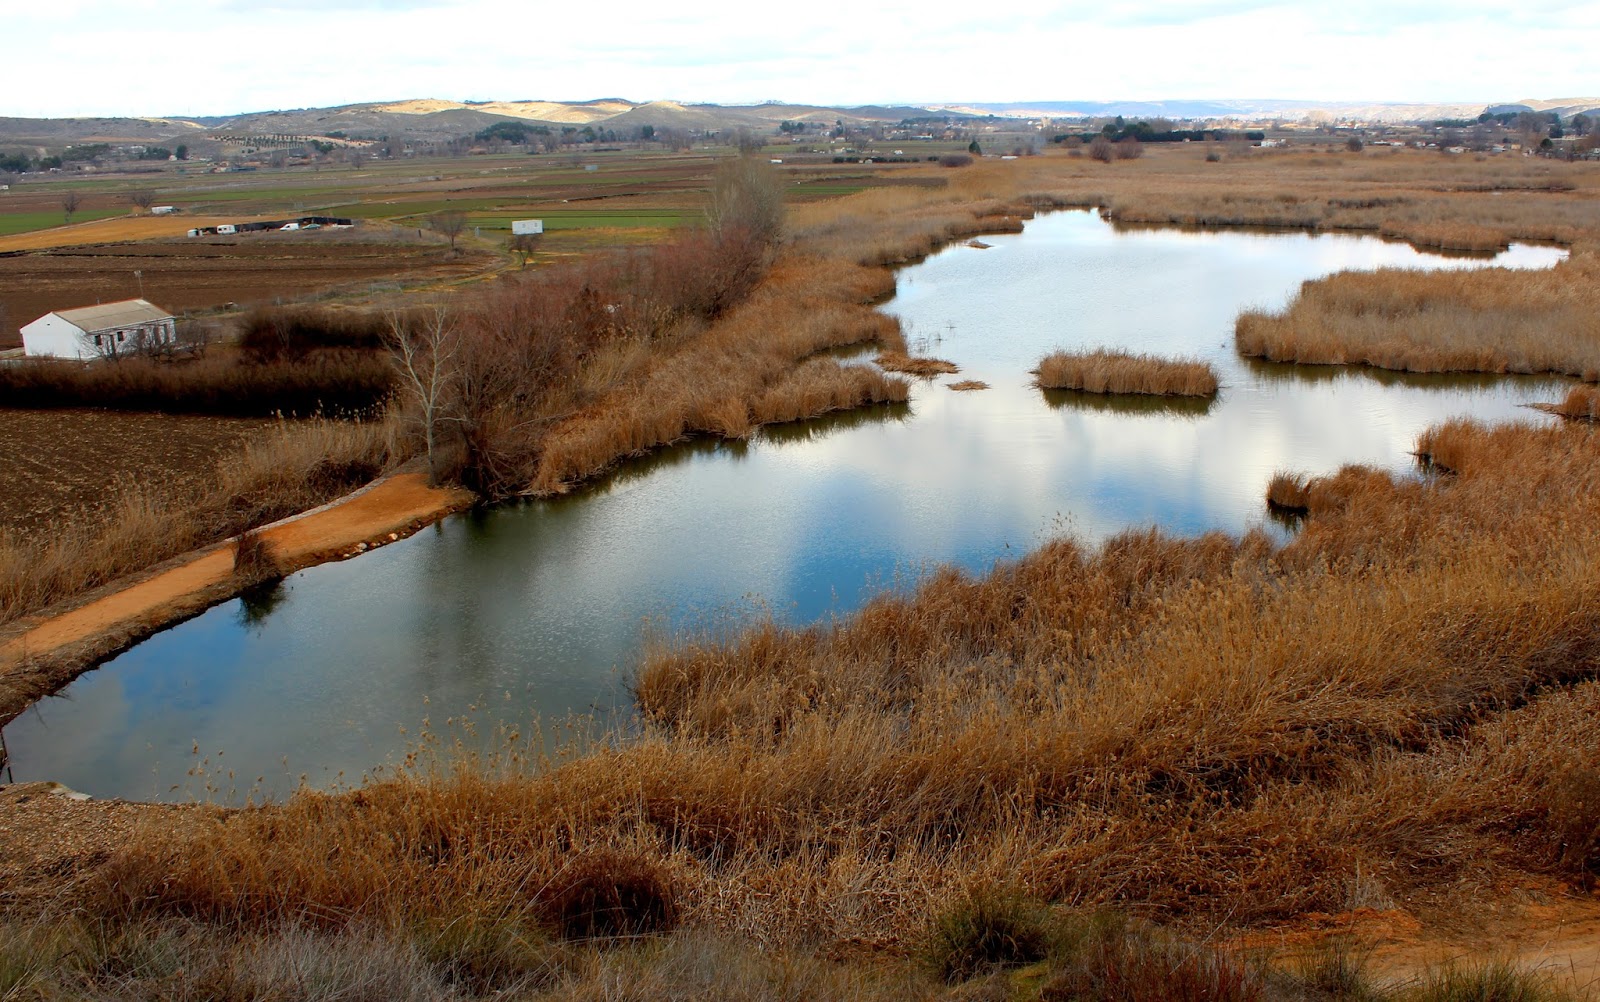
(1302, 372)
(1130, 403)
(831, 424)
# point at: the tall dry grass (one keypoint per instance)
(1490, 320)
(298, 467)
(1396, 703)
(1107, 371)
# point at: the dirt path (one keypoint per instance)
(1553, 929)
(47, 653)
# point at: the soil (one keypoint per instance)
(41, 654)
(1549, 927)
(204, 273)
(59, 462)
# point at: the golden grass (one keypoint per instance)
(893, 361)
(967, 385)
(1490, 320)
(1582, 403)
(1106, 371)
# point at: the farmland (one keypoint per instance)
(630, 197)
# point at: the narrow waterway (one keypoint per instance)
(540, 610)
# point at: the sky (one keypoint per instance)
(219, 57)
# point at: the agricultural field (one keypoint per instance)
(630, 197)
(57, 461)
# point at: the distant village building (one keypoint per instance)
(526, 227)
(92, 332)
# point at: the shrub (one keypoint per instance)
(986, 930)
(278, 332)
(606, 894)
(956, 160)
(1102, 149)
(253, 558)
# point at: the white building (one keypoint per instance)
(92, 332)
(526, 227)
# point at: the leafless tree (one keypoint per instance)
(1102, 149)
(450, 223)
(69, 204)
(143, 198)
(525, 245)
(746, 194)
(426, 349)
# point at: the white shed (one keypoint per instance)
(526, 227)
(92, 332)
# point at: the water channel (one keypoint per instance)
(540, 609)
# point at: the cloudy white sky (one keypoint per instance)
(213, 57)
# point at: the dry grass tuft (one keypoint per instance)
(1582, 403)
(968, 384)
(1106, 371)
(911, 366)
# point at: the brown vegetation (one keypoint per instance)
(1380, 701)
(1491, 320)
(1582, 403)
(1105, 371)
(968, 384)
(914, 366)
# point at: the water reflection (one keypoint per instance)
(541, 607)
(1133, 404)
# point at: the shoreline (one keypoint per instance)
(42, 654)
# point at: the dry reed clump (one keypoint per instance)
(1300, 495)
(1582, 403)
(1490, 320)
(913, 366)
(301, 466)
(1106, 371)
(966, 385)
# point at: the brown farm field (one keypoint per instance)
(61, 462)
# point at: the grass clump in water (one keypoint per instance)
(1106, 371)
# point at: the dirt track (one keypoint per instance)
(43, 655)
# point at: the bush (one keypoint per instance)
(607, 894)
(276, 332)
(956, 160)
(986, 930)
(1102, 149)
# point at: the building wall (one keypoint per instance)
(52, 337)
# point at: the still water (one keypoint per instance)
(541, 609)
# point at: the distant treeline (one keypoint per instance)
(1145, 134)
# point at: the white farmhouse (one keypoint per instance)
(99, 331)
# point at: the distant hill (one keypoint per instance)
(436, 119)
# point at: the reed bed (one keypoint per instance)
(1106, 371)
(1396, 703)
(1490, 320)
(968, 385)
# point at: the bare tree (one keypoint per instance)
(69, 204)
(746, 194)
(450, 223)
(143, 198)
(425, 349)
(525, 245)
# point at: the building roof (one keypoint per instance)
(128, 313)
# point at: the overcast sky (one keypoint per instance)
(216, 57)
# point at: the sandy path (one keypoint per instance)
(391, 508)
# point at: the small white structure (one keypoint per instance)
(162, 210)
(227, 228)
(91, 332)
(289, 226)
(526, 227)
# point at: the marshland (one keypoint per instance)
(1018, 660)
